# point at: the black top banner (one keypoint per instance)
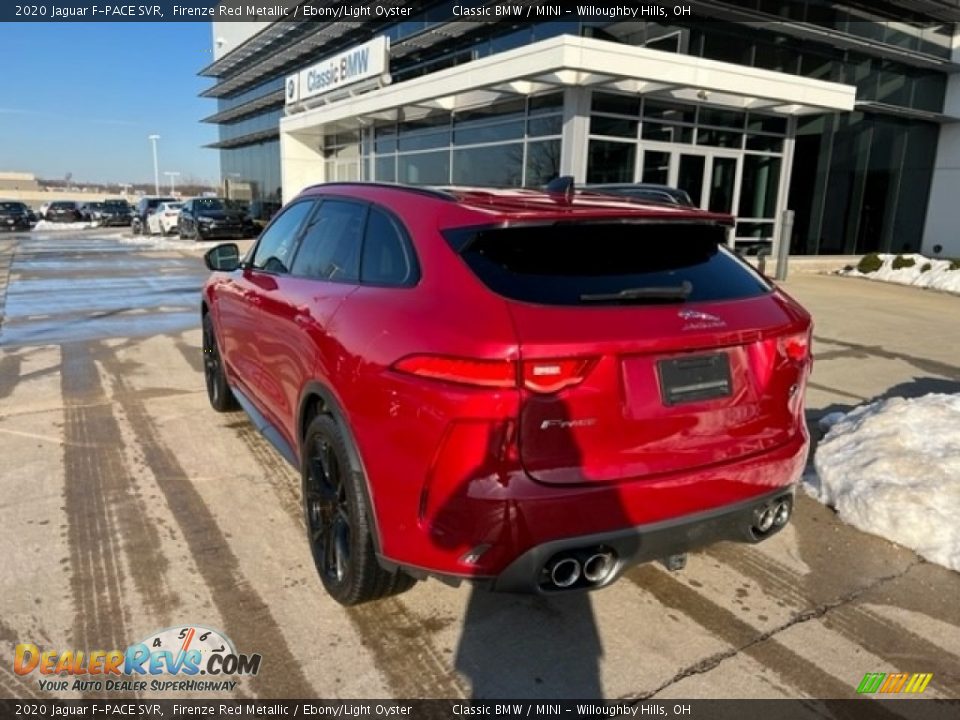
(934, 11)
(861, 709)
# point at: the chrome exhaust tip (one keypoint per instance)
(598, 567)
(763, 518)
(781, 513)
(565, 572)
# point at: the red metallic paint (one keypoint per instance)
(452, 467)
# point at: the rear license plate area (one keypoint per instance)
(694, 379)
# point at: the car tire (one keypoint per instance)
(135, 227)
(218, 391)
(338, 522)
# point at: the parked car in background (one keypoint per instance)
(165, 219)
(206, 218)
(261, 212)
(65, 211)
(15, 215)
(92, 211)
(652, 192)
(530, 390)
(116, 212)
(145, 207)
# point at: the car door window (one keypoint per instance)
(386, 259)
(331, 244)
(278, 241)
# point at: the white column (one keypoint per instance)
(301, 160)
(943, 210)
(576, 128)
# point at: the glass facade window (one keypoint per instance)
(610, 162)
(666, 133)
(543, 162)
(611, 126)
(488, 145)
(719, 138)
(431, 168)
(496, 165)
(858, 181)
(759, 186)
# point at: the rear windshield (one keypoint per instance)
(11, 206)
(122, 204)
(607, 263)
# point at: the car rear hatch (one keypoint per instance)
(646, 348)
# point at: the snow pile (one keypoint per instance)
(159, 242)
(46, 225)
(892, 468)
(938, 276)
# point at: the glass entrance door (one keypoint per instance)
(711, 178)
(690, 174)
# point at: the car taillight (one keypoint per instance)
(550, 376)
(539, 376)
(796, 347)
(485, 373)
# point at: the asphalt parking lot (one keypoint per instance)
(128, 506)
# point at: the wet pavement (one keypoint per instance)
(128, 506)
(66, 289)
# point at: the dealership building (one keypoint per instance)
(844, 113)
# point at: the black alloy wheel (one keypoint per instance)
(218, 391)
(337, 521)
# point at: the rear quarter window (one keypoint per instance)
(579, 263)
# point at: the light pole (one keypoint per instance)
(156, 170)
(171, 175)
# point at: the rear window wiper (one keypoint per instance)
(661, 292)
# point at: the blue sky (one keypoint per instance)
(82, 98)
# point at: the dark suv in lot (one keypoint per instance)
(116, 212)
(65, 211)
(530, 389)
(208, 218)
(15, 215)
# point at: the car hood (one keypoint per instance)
(220, 215)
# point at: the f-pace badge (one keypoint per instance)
(696, 320)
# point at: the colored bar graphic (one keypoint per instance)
(894, 683)
(870, 683)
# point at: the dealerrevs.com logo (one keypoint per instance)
(168, 660)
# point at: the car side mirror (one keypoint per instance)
(223, 258)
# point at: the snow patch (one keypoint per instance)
(159, 242)
(938, 277)
(46, 226)
(892, 468)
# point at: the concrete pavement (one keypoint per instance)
(127, 506)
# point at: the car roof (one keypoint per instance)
(523, 204)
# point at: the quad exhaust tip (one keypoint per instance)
(772, 515)
(598, 567)
(565, 572)
(583, 568)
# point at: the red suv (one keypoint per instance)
(532, 389)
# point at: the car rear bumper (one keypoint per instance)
(530, 573)
(504, 528)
